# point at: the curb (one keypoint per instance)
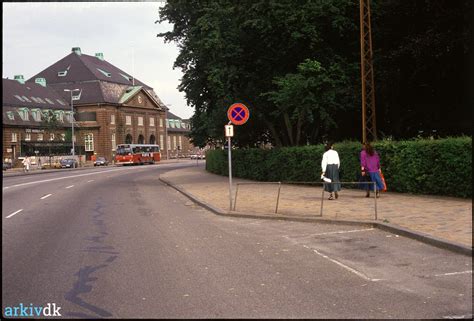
(42, 171)
(419, 236)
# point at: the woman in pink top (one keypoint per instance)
(370, 165)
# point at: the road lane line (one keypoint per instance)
(360, 274)
(70, 186)
(66, 177)
(90, 181)
(14, 213)
(454, 273)
(46, 196)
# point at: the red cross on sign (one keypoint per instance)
(238, 114)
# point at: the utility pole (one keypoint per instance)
(369, 129)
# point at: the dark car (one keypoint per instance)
(101, 161)
(7, 166)
(68, 163)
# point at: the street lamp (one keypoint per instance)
(72, 122)
(166, 131)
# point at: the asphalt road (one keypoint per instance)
(115, 242)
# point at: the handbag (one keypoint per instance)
(363, 179)
(383, 181)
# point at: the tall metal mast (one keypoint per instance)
(369, 129)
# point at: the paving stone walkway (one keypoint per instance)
(447, 218)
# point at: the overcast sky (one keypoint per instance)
(36, 35)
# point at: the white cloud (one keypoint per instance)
(36, 35)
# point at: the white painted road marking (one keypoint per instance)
(14, 213)
(90, 181)
(65, 177)
(360, 274)
(70, 186)
(46, 196)
(454, 273)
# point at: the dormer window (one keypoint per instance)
(10, 115)
(19, 98)
(36, 113)
(125, 76)
(64, 72)
(26, 98)
(107, 74)
(49, 101)
(59, 115)
(23, 114)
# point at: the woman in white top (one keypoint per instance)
(330, 169)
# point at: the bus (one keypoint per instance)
(137, 154)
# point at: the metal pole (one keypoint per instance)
(375, 198)
(72, 131)
(322, 200)
(278, 197)
(236, 191)
(230, 175)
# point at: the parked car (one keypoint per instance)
(101, 161)
(197, 156)
(7, 166)
(68, 163)
(50, 165)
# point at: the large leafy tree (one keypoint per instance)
(233, 52)
(296, 66)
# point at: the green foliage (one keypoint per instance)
(439, 167)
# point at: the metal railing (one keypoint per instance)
(305, 183)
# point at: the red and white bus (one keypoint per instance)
(137, 154)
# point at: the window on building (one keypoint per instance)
(107, 74)
(112, 119)
(23, 113)
(128, 120)
(19, 98)
(36, 113)
(161, 122)
(174, 142)
(89, 142)
(168, 142)
(26, 99)
(59, 115)
(61, 102)
(140, 121)
(180, 142)
(49, 101)
(51, 136)
(177, 123)
(63, 137)
(39, 136)
(10, 115)
(167, 123)
(14, 137)
(152, 121)
(114, 145)
(162, 141)
(28, 136)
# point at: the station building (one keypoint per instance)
(109, 107)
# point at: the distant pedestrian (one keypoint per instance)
(26, 164)
(330, 170)
(370, 165)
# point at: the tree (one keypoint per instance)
(235, 53)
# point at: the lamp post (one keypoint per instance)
(72, 122)
(166, 131)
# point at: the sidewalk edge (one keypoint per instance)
(422, 237)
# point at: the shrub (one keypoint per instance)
(420, 166)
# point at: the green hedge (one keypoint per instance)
(439, 167)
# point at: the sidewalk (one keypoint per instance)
(438, 218)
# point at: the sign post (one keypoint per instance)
(238, 114)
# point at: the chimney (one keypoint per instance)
(100, 56)
(20, 79)
(41, 81)
(76, 50)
